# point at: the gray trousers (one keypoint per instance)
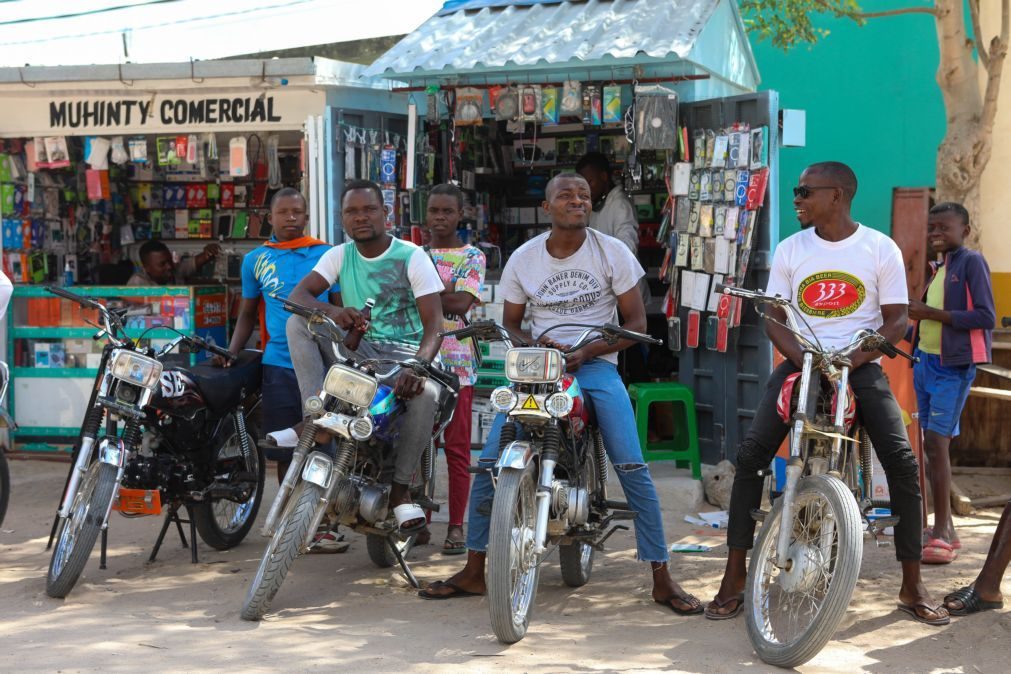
(312, 357)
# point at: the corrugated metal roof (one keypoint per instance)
(525, 35)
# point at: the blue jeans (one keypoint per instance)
(601, 384)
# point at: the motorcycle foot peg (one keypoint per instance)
(758, 515)
(485, 508)
(428, 504)
(477, 470)
(623, 515)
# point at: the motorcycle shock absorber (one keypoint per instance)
(549, 456)
(866, 465)
(239, 421)
(342, 462)
(507, 435)
(132, 434)
(601, 456)
(428, 462)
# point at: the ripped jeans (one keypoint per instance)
(601, 384)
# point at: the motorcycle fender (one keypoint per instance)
(318, 469)
(517, 454)
(112, 451)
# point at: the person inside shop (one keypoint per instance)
(834, 249)
(461, 268)
(157, 268)
(571, 247)
(404, 325)
(955, 320)
(269, 273)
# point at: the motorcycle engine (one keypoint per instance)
(570, 504)
(357, 496)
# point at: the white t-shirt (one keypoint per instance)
(617, 218)
(582, 288)
(839, 287)
(6, 290)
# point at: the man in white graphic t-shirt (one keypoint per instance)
(842, 277)
(573, 274)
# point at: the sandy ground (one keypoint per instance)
(339, 612)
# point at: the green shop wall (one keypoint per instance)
(872, 102)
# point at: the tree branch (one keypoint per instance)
(977, 34)
(896, 12)
(998, 52)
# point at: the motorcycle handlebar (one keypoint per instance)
(298, 309)
(215, 349)
(73, 297)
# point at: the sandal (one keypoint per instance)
(938, 551)
(456, 591)
(912, 610)
(928, 533)
(722, 603)
(410, 518)
(690, 599)
(454, 547)
(971, 602)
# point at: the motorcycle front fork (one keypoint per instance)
(543, 501)
(305, 443)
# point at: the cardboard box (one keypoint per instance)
(41, 354)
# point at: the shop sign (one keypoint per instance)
(158, 113)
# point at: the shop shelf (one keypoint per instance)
(32, 332)
(44, 372)
(107, 291)
(47, 431)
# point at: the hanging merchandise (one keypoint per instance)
(572, 99)
(182, 143)
(507, 106)
(759, 148)
(96, 152)
(612, 104)
(238, 159)
(191, 148)
(38, 153)
(138, 149)
(119, 153)
(656, 118)
(549, 105)
(273, 163)
(469, 107)
(166, 151)
(212, 146)
(56, 151)
(530, 103)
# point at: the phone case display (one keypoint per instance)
(708, 229)
(53, 356)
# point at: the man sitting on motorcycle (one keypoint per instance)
(841, 277)
(576, 275)
(405, 324)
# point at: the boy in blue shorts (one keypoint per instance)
(270, 273)
(954, 324)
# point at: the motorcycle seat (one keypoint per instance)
(222, 387)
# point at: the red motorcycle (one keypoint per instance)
(550, 486)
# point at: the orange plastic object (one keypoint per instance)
(138, 501)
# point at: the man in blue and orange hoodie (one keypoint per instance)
(953, 332)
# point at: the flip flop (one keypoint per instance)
(938, 551)
(410, 512)
(451, 547)
(687, 599)
(457, 591)
(971, 602)
(721, 603)
(936, 622)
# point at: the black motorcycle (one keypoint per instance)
(172, 437)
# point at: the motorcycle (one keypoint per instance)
(184, 444)
(5, 422)
(807, 556)
(358, 408)
(551, 487)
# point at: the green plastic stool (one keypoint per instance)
(684, 447)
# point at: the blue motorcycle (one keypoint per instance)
(349, 485)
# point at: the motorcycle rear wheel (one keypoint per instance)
(223, 523)
(379, 552)
(513, 568)
(791, 614)
(77, 533)
(286, 544)
(576, 558)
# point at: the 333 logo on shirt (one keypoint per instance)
(830, 294)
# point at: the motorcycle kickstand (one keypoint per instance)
(170, 518)
(403, 563)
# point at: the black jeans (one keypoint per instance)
(882, 420)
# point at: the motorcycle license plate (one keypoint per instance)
(138, 501)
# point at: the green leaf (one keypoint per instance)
(788, 23)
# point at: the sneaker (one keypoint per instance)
(328, 542)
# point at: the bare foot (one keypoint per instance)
(669, 593)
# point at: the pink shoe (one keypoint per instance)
(938, 551)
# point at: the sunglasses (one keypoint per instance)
(804, 191)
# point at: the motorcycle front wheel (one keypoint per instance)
(792, 612)
(77, 533)
(513, 567)
(222, 522)
(286, 544)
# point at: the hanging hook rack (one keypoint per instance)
(193, 72)
(124, 82)
(21, 74)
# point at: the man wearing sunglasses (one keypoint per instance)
(841, 277)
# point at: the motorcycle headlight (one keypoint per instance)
(134, 368)
(351, 386)
(534, 365)
(558, 405)
(503, 399)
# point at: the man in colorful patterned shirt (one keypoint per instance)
(461, 268)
